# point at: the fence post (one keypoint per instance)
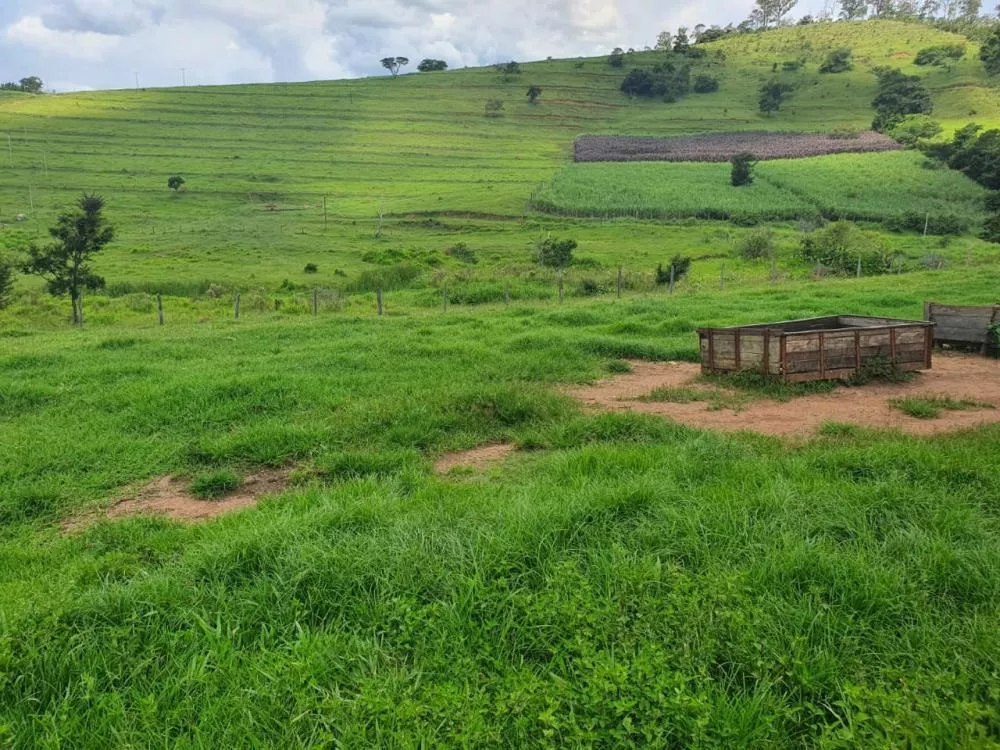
(378, 300)
(859, 266)
(315, 301)
(560, 286)
(670, 288)
(619, 287)
(236, 307)
(444, 296)
(159, 308)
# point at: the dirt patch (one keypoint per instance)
(716, 147)
(956, 375)
(478, 459)
(169, 496)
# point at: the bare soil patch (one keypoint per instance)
(478, 459)
(169, 496)
(955, 375)
(719, 147)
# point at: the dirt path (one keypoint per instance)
(169, 496)
(956, 375)
(478, 458)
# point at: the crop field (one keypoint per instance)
(342, 574)
(869, 187)
(724, 146)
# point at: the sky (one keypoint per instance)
(101, 44)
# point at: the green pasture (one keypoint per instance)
(861, 187)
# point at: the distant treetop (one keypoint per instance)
(428, 65)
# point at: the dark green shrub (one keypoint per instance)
(989, 53)
(705, 84)
(936, 224)
(617, 57)
(311, 268)
(680, 265)
(555, 253)
(940, 54)
(772, 95)
(397, 276)
(589, 288)
(214, 484)
(838, 61)
(991, 229)
(742, 171)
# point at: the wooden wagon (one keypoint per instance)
(964, 325)
(828, 348)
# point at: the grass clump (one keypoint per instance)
(213, 485)
(931, 406)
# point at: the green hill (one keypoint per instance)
(416, 146)
(620, 579)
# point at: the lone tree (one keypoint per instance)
(429, 65)
(175, 183)
(742, 173)
(617, 57)
(79, 233)
(772, 94)
(533, 93)
(898, 95)
(393, 64)
(556, 253)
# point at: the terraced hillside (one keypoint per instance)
(419, 145)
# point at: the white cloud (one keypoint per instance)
(100, 42)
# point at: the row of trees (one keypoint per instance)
(29, 85)
(395, 64)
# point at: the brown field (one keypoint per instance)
(723, 146)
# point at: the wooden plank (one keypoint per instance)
(937, 309)
(805, 377)
(783, 360)
(767, 352)
(857, 352)
(892, 342)
(711, 350)
(822, 355)
(736, 346)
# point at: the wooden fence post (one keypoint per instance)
(159, 308)
(859, 266)
(378, 300)
(236, 307)
(670, 288)
(444, 296)
(619, 287)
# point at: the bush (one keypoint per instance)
(494, 108)
(742, 172)
(680, 265)
(590, 288)
(838, 248)
(396, 276)
(311, 268)
(555, 253)
(175, 182)
(838, 61)
(758, 244)
(617, 57)
(670, 80)
(791, 66)
(462, 253)
(991, 229)
(940, 55)
(214, 485)
(975, 154)
(989, 53)
(705, 84)
(772, 95)
(913, 129)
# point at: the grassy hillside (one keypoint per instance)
(620, 580)
(416, 145)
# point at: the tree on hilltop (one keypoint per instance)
(80, 234)
(428, 65)
(393, 64)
